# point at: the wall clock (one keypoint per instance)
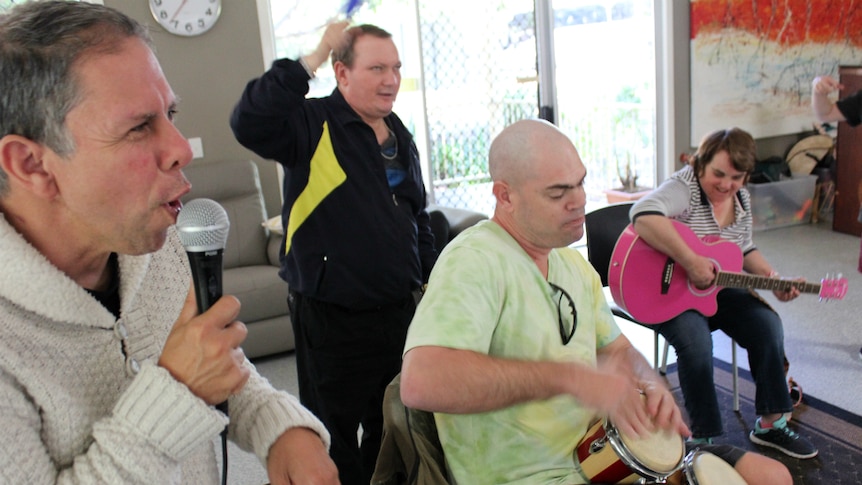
(186, 17)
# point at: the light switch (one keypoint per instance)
(197, 147)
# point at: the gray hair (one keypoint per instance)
(40, 42)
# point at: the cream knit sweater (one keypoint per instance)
(81, 397)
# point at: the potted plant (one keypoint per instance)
(629, 179)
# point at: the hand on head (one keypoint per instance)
(203, 351)
(333, 36)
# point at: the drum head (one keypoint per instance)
(704, 468)
(662, 451)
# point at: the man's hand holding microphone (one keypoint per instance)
(203, 348)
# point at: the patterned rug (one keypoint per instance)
(835, 432)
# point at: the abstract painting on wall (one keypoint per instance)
(752, 61)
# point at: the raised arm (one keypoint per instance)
(333, 36)
(824, 108)
(269, 119)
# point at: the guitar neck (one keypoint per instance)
(745, 280)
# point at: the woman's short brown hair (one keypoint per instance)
(738, 144)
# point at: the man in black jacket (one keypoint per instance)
(358, 245)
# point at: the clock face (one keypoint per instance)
(186, 17)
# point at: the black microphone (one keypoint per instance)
(203, 227)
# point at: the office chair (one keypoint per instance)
(603, 228)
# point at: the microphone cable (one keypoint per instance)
(224, 456)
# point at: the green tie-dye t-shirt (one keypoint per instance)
(485, 294)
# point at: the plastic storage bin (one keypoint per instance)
(783, 203)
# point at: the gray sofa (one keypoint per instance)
(251, 253)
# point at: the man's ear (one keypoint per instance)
(22, 160)
(503, 194)
(340, 72)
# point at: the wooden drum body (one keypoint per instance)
(607, 456)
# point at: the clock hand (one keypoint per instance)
(183, 4)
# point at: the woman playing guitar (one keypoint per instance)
(709, 196)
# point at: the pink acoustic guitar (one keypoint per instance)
(653, 289)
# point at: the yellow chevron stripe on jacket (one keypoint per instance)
(324, 175)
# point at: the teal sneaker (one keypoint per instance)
(783, 439)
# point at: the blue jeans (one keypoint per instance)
(755, 326)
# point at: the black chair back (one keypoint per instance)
(440, 229)
(603, 228)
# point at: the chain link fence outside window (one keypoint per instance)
(479, 68)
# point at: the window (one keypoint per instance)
(605, 87)
(470, 69)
